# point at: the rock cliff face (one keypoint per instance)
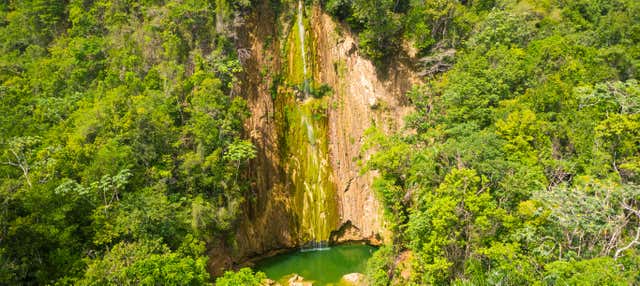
(308, 125)
(361, 98)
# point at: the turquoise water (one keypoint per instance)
(323, 267)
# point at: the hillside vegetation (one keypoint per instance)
(123, 151)
(524, 161)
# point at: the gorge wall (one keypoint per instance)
(311, 96)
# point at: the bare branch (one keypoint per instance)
(635, 241)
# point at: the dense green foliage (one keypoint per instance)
(244, 276)
(122, 149)
(384, 26)
(121, 140)
(524, 167)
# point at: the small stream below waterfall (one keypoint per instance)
(323, 267)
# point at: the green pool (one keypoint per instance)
(323, 267)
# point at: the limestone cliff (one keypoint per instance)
(309, 143)
(361, 97)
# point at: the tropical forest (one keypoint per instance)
(320, 142)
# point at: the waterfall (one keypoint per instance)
(314, 193)
(315, 246)
(305, 83)
(311, 137)
(309, 166)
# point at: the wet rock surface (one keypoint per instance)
(354, 279)
(359, 97)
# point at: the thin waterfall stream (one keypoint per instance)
(311, 171)
(311, 183)
(301, 32)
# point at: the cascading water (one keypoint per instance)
(308, 165)
(305, 83)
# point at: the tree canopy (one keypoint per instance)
(121, 140)
(524, 162)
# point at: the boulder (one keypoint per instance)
(269, 282)
(297, 280)
(354, 279)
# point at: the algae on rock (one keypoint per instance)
(305, 146)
